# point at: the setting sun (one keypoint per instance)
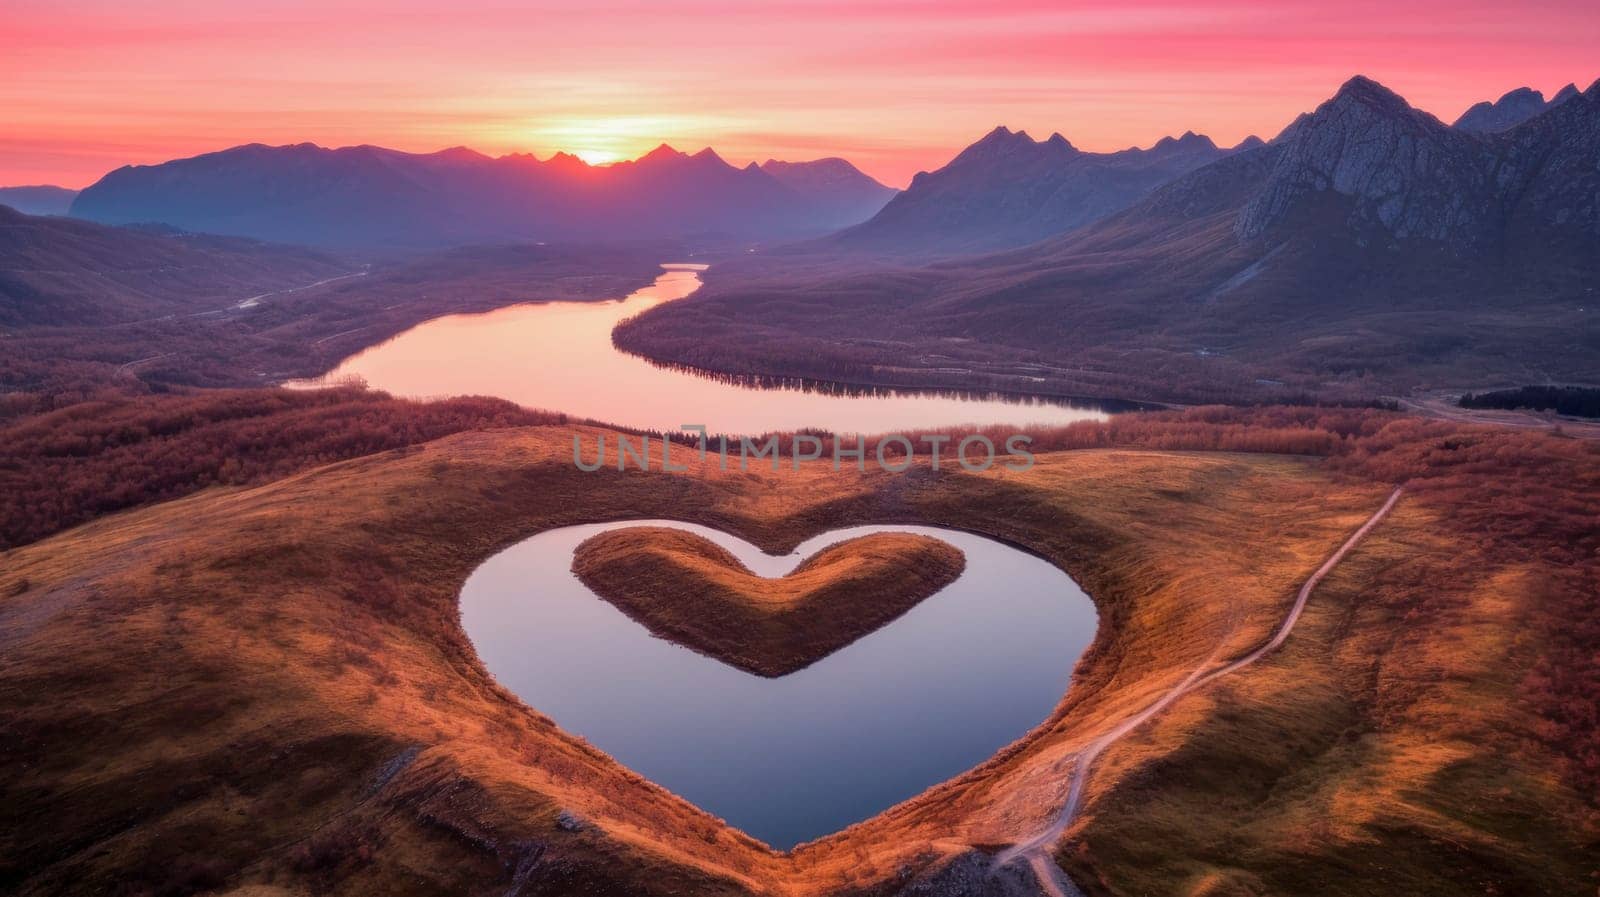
(605, 140)
(598, 156)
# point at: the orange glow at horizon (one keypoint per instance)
(896, 86)
(598, 156)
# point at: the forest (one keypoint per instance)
(1575, 401)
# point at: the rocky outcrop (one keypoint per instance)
(1398, 174)
(1402, 169)
(1511, 110)
(1551, 169)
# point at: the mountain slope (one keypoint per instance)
(38, 200)
(57, 271)
(1405, 172)
(365, 196)
(1369, 248)
(1009, 190)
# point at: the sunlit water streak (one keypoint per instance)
(558, 356)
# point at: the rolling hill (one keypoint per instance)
(59, 271)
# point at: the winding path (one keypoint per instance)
(1036, 849)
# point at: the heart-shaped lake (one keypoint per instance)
(932, 693)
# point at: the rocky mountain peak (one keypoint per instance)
(1189, 141)
(1565, 93)
(1516, 107)
(1397, 173)
(461, 154)
(563, 163)
(1395, 167)
(1003, 142)
(1002, 136)
(662, 153)
(708, 160)
(1058, 142)
(1363, 91)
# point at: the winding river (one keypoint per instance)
(558, 356)
(790, 759)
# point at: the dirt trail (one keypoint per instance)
(1037, 848)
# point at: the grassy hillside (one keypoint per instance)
(268, 687)
(66, 466)
(62, 271)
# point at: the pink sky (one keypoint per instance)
(894, 85)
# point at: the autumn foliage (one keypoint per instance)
(71, 465)
(1508, 495)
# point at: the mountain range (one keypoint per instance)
(367, 196)
(1369, 247)
(1008, 189)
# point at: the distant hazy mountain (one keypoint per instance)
(1009, 190)
(38, 200)
(59, 271)
(853, 194)
(368, 195)
(1510, 110)
(1368, 247)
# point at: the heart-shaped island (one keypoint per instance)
(691, 591)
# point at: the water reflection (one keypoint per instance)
(789, 759)
(559, 356)
(840, 388)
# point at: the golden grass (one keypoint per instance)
(267, 690)
(687, 589)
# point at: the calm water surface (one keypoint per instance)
(558, 356)
(790, 759)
